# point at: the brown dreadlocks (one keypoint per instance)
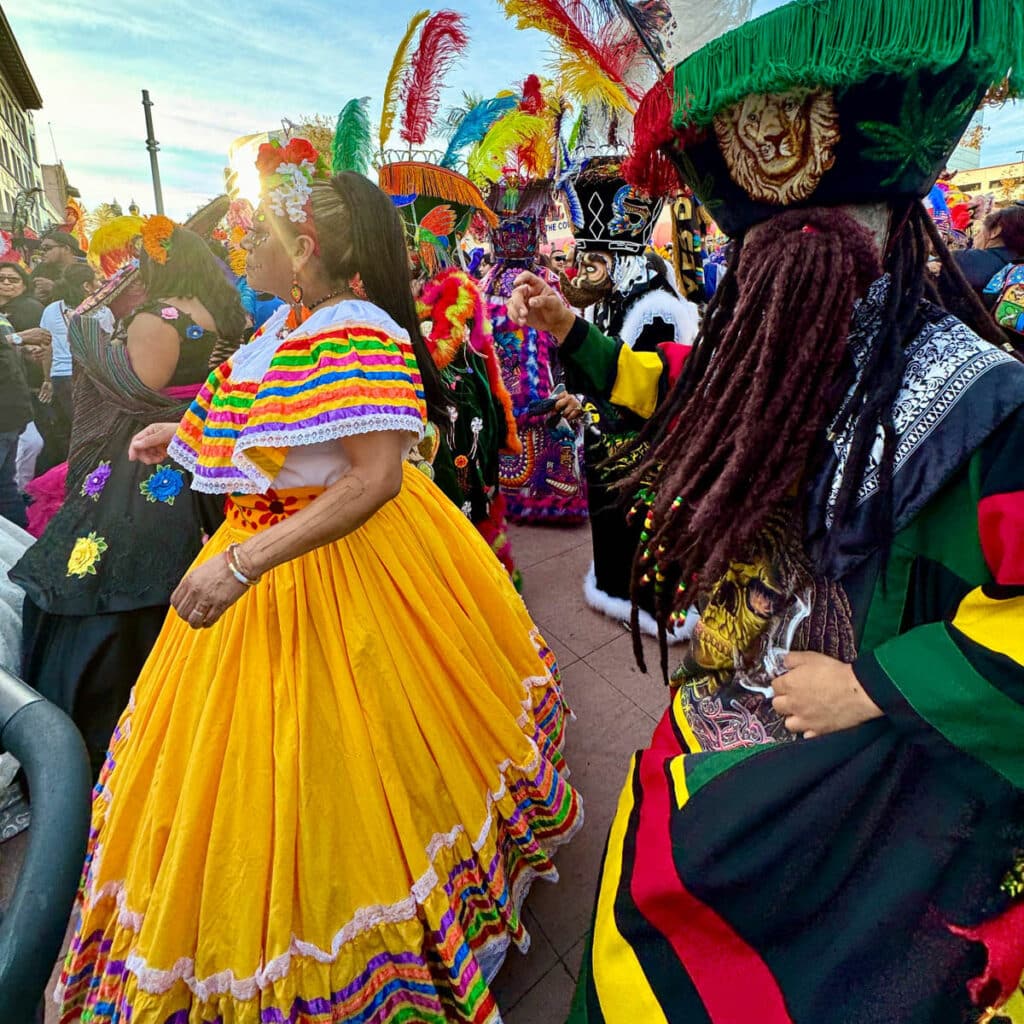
(743, 430)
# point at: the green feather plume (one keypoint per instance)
(352, 148)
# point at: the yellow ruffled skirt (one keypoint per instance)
(330, 805)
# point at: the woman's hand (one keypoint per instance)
(819, 695)
(46, 392)
(568, 406)
(203, 596)
(150, 445)
(536, 304)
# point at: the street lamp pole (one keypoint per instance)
(154, 147)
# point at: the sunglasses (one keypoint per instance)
(10, 280)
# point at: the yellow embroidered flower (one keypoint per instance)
(85, 555)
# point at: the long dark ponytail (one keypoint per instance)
(360, 231)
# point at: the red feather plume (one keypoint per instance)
(442, 39)
(653, 129)
(533, 96)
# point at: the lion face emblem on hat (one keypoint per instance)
(777, 146)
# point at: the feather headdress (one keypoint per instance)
(396, 74)
(442, 39)
(488, 161)
(352, 146)
(570, 23)
(565, 184)
(115, 244)
(583, 79)
(475, 125)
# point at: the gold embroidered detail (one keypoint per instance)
(778, 146)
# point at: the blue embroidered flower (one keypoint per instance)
(194, 333)
(164, 484)
(96, 481)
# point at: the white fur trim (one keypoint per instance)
(660, 305)
(621, 609)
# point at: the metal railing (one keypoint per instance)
(56, 768)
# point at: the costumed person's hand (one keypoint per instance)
(533, 303)
(203, 596)
(150, 445)
(46, 392)
(818, 695)
(568, 406)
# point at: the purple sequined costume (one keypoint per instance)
(545, 483)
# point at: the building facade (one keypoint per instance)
(967, 155)
(1004, 181)
(21, 178)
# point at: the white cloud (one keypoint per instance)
(215, 74)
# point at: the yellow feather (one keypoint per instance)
(116, 234)
(486, 161)
(582, 79)
(539, 150)
(398, 66)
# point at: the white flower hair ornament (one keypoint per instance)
(287, 174)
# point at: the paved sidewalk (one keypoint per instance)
(616, 709)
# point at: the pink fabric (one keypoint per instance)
(47, 493)
(182, 391)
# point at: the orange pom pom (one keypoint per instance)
(156, 237)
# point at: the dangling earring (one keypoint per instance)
(356, 286)
(295, 295)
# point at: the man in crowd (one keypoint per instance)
(59, 249)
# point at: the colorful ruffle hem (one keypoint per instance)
(330, 805)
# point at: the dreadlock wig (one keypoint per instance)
(745, 431)
(733, 438)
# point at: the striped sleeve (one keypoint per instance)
(959, 684)
(604, 367)
(349, 379)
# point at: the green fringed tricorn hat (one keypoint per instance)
(825, 102)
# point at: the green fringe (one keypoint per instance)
(834, 43)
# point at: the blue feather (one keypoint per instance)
(572, 202)
(399, 201)
(475, 125)
(565, 183)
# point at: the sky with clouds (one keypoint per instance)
(214, 75)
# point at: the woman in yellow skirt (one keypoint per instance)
(340, 770)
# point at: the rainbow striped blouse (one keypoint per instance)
(349, 369)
